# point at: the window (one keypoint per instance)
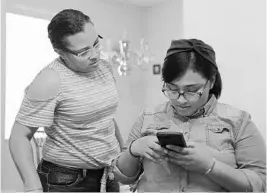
(28, 50)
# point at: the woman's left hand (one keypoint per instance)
(196, 157)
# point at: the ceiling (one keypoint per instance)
(142, 3)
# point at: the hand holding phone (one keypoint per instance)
(171, 138)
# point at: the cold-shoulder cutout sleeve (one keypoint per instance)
(45, 86)
(40, 100)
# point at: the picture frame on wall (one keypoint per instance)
(156, 69)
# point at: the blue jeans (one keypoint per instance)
(55, 178)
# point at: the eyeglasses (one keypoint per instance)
(85, 54)
(189, 96)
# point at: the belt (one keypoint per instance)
(97, 173)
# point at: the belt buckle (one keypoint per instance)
(111, 176)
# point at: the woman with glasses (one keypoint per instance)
(224, 149)
(74, 98)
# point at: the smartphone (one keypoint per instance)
(171, 138)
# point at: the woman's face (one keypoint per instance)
(79, 43)
(190, 82)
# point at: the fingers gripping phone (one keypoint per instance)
(171, 138)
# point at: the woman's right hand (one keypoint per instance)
(149, 148)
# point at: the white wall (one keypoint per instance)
(109, 17)
(161, 24)
(236, 30)
(1, 114)
(2, 82)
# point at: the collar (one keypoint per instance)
(204, 111)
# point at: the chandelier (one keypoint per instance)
(125, 59)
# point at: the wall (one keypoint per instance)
(161, 23)
(1, 82)
(2, 86)
(109, 23)
(237, 32)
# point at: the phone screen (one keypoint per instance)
(171, 138)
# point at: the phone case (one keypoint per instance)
(171, 138)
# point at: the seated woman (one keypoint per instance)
(225, 151)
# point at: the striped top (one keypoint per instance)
(78, 119)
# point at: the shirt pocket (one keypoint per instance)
(153, 123)
(219, 137)
(154, 128)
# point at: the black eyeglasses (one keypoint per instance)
(189, 96)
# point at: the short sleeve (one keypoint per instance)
(40, 100)
(250, 152)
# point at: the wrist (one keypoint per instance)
(209, 170)
(32, 187)
(33, 190)
(132, 151)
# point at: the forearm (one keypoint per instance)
(229, 178)
(22, 154)
(126, 160)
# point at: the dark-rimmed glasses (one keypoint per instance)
(189, 96)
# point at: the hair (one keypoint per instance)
(66, 22)
(176, 65)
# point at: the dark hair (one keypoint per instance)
(176, 65)
(65, 23)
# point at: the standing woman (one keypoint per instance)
(225, 151)
(74, 98)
